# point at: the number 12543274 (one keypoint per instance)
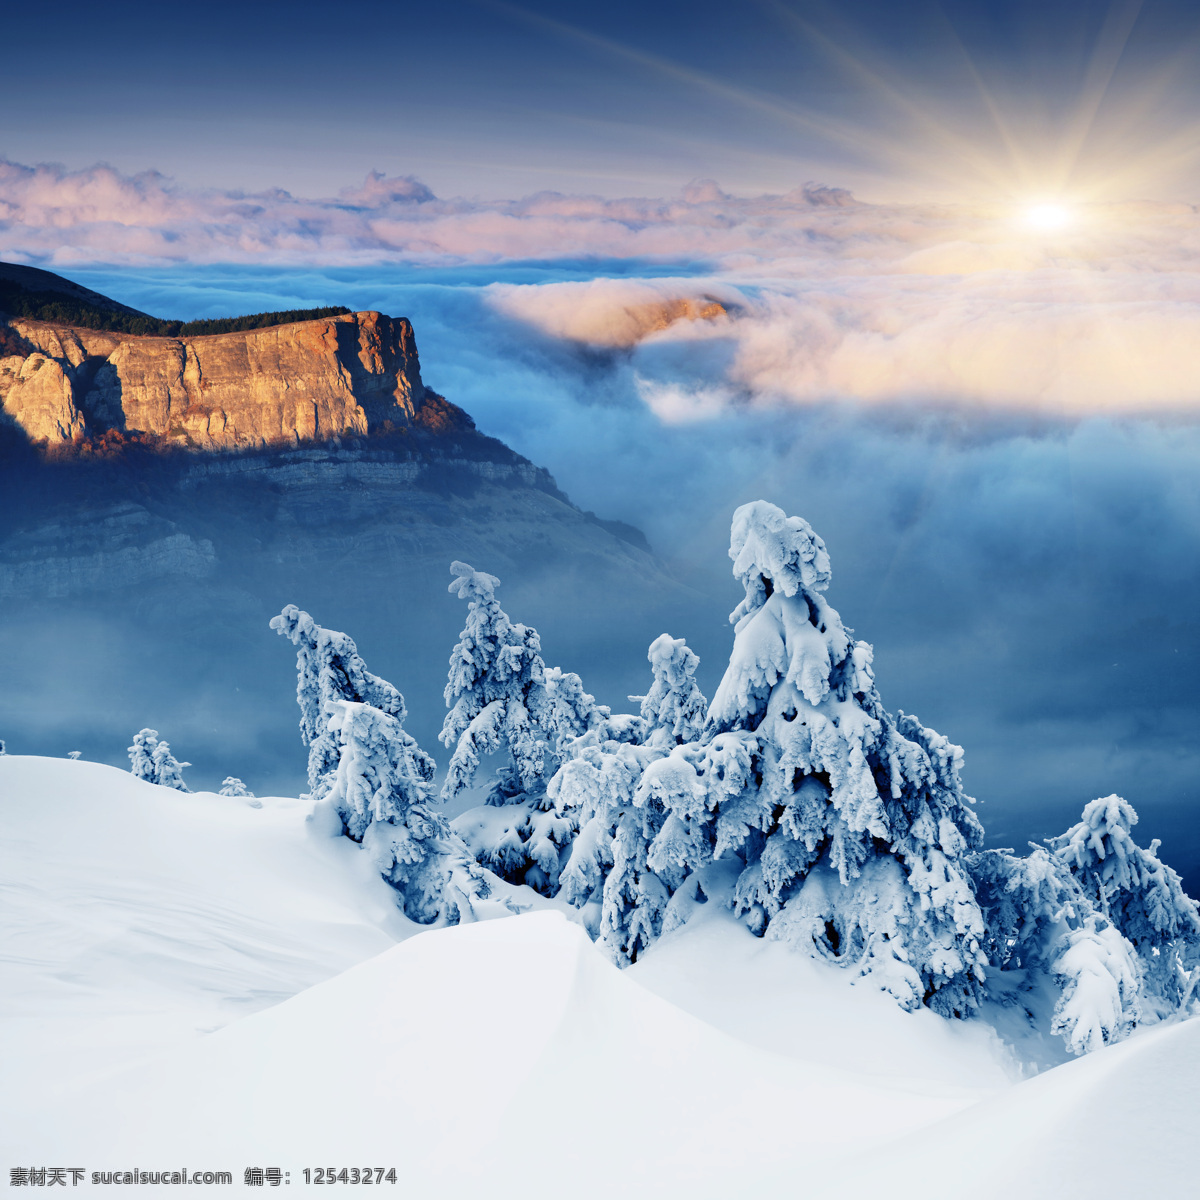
(350, 1175)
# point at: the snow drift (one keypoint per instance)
(487, 1059)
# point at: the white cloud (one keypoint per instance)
(1060, 339)
(827, 299)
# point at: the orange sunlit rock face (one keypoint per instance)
(309, 381)
(641, 320)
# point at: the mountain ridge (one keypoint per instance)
(68, 388)
(38, 281)
(37, 295)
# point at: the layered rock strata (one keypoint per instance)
(289, 384)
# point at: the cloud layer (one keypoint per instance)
(1058, 343)
(827, 299)
(51, 214)
(48, 213)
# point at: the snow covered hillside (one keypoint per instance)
(136, 915)
(192, 980)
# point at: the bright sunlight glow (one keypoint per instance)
(1047, 217)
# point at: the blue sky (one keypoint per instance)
(493, 99)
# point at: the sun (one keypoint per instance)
(1047, 217)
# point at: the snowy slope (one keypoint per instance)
(194, 981)
(477, 1060)
(1121, 1122)
(131, 915)
(766, 994)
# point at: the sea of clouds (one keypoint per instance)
(827, 298)
(994, 427)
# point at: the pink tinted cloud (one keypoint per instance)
(98, 215)
(828, 298)
(52, 214)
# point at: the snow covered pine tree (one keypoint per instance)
(383, 793)
(372, 774)
(328, 667)
(1140, 895)
(152, 760)
(624, 906)
(846, 826)
(1051, 953)
(1102, 922)
(141, 755)
(503, 697)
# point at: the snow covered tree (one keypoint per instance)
(382, 775)
(168, 770)
(3, 747)
(383, 793)
(496, 694)
(373, 775)
(74, 755)
(571, 710)
(141, 755)
(674, 704)
(1052, 953)
(151, 759)
(848, 825)
(609, 867)
(635, 896)
(329, 668)
(647, 865)
(503, 699)
(233, 786)
(1140, 894)
(595, 784)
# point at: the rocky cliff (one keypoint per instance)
(69, 387)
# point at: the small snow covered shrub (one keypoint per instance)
(168, 770)
(674, 704)
(233, 786)
(151, 759)
(3, 747)
(1100, 985)
(504, 699)
(141, 761)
